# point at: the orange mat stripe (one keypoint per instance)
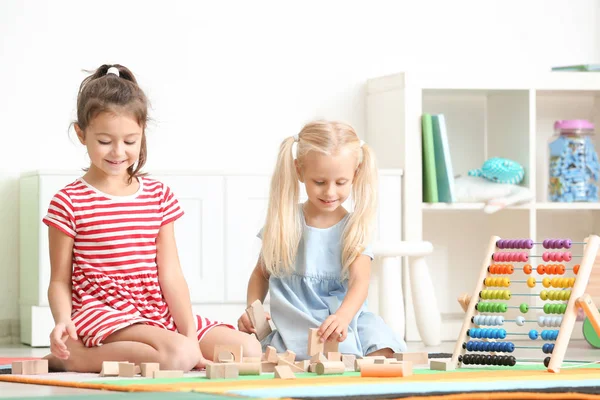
(225, 386)
(508, 396)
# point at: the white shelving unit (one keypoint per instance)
(487, 115)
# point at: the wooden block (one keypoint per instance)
(317, 358)
(236, 352)
(314, 344)
(334, 356)
(224, 357)
(284, 372)
(29, 367)
(331, 346)
(331, 368)
(386, 370)
(292, 366)
(232, 371)
(215, 371)
(167, 374)
(359, 362)
(247, 368)
(147, 369)
(137, 370)
(110, 368)
(268, 366)
(126, 369)
(348, 360)
(258, 317)
(416, 357)
(252, 360)
(439, 365)
(304, 364)
(312, 367)
(289, 356)
(374, 357)
(271, 354)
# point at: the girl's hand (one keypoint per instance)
(202, 362)
(333, 328)
(58, 338)
(245, 325)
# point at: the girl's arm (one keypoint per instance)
(258, 284)
(358, 290)
(61, 268)
(172, 282)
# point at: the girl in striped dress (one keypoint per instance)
(117, 291)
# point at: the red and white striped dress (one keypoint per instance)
(115, 276)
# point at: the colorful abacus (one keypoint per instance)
(564, 295)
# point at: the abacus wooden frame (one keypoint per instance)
(566, 328)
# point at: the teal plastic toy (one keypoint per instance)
(500, 170)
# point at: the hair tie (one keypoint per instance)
(113, 70)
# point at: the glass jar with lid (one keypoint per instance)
(574, 167)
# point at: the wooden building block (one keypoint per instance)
(252, 360)
(314, 343)
(386, 370)
(304, 364)
(29, 367)
(236, 352)
(416, 357)
(289, 356)
(110, 368)
(292, 366)
(167, 374)
(348, 360)
(147, 369)
(258, 317)
(271, 355)
(359, 362)
(334, 356)
(331, 368)
(126, 369)
(284, 372)
(247, 368)
(224, 357)
(331, 346)
(317, 358)
(215, 371)
(312, 367)
(268, 366)
(439, 365)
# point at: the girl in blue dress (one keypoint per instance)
(315, 259)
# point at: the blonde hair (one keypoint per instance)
(283, 227)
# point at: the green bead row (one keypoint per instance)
(492, 307)
(555, 308)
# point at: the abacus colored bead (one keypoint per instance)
(529, 244)
(524, 257)
(545, 243)
(544, 295)
(546, 362)
(546, 282)
(531, 282)
(545, 256)
(524, 308)
(561, 269)
(560, 257)
(527, 269)
(533, 334)
(552, 256)
(520, 320)
(541, 321)
(499, 243)
(567, 256)
(576, 269)
(510, 347)
(567, 243)
(551, 243)
(541, 269)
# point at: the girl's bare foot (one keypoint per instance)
(55, 364)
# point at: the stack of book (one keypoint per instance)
(438, 177)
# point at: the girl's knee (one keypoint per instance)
(181, 355)
(252, 347)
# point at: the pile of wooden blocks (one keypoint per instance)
(130, 370)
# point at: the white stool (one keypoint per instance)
(391, 302)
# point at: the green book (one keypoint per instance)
(582, 67)
(443, 161)
(430, 190)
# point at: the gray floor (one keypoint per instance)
(578, 350)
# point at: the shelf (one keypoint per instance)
(537, 206)
(465, 206)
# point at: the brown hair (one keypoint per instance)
(102, 92)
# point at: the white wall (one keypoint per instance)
(229, 80)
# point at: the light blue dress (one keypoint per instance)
(316, 290)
